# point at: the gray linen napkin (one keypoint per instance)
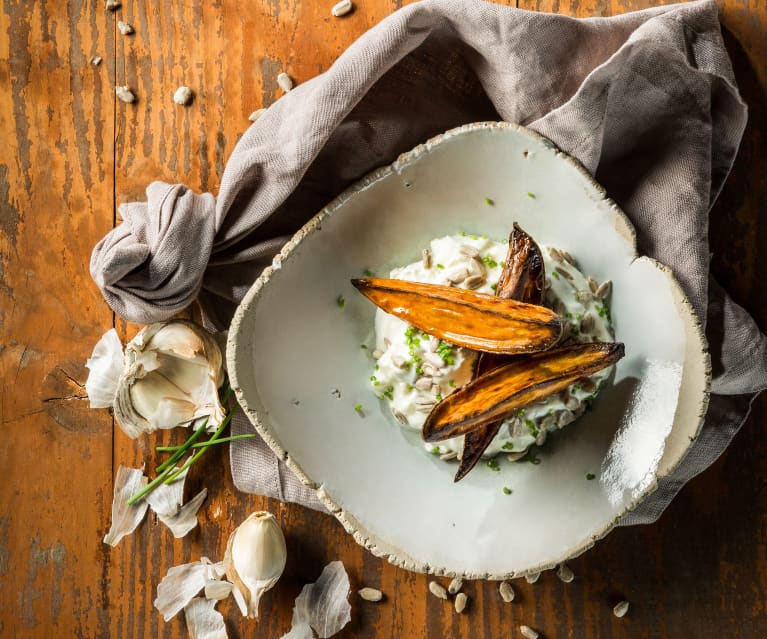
(646, 101)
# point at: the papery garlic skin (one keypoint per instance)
(172, 374)
(255, 557)
(106, 365)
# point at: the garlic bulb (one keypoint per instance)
(171, 377)
(255, 558)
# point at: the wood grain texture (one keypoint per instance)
(72, 151)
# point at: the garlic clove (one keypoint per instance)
(255, 558)
(171, 376)
(106, 365)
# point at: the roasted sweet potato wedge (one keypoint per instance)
(523, 279)
(505, 389)
(466, 318)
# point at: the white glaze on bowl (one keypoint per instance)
(290, 346)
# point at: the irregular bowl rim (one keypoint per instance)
(354, 527)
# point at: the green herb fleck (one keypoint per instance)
(569, 315)
(554, 274)
(445, 351)
(341, 302)
(474, 237)
(603, 311)
(369, 273)
(358, 408)
(493, 464)
(410, 387)
(440, 266)
(489, 202)
(487, 259)
(506, 490)
(389, 393)
(435, 450)
(451, 382)
(508, 446)
(494, 287)
(590, 476)
(533, 458)
(531, 195)
(364, 346)
(462, 233)
(439, 398)
(374, 380)
(531, 427)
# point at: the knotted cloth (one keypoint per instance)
(647, 102)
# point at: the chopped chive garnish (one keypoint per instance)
(533, 459)
(508, 446)
(389, 393)
(489, 202)
(451, 382)
(440, 266)
(554, 274)
(368, 273)
(445, 351)
(531, 195)
(358, 408)
(363, 346)
(435, 450)
(462, 233)
(492, 464)
(506, 490)
(494, 287)
(487, 259)
(341, 301)
(590, 476)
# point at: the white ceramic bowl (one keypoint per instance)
(291, 346)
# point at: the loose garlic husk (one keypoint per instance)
(171, 377)
(255, 558)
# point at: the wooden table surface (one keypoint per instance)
(72, 153)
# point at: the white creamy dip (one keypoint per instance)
(414, 370)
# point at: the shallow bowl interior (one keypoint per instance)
(291, 347)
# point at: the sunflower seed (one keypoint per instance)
(424, 407)
(438, 590)
(398, 360)
(565, 574)
(584, 296)
(125, 28)
(125, 94)
(604, 289)
(507, 592)
(477, 267)
(341, 9)
(512, 457)
(435, 389)
(113, 5)
(547, 422)
(556, 254)
(399, 417)
(566, 274)
(423, 383)
(455, 586)
(285, 82)
(256, 114)
(587, 323)
(572, 403)
(458, 275)
(468, 250)
(428, 369)
(567, 257)
(528, 632)
(426, 258)
(448, 456)
(532, 577)
(593, 286)
(433, 359)
(621, 609)
(96, 60)
(377, 354)
(474, 282)
(564, 417)
(370, 594)
(588, 385)
(460, 602)
(387, 342)
(183, 95)
(540, 440)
